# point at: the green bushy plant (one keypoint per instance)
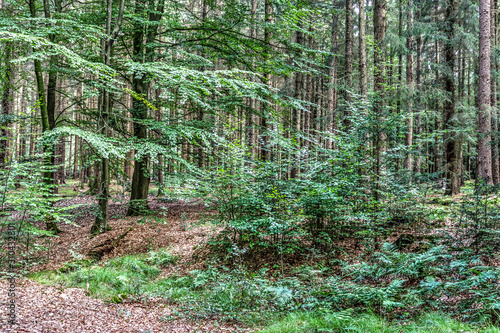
(26, 202)
(300, 198)
(478, 216)
(162, 258)
(392, 282)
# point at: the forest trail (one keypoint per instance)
(43, 308)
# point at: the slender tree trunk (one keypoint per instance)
(348, 59)
(7, 104)
(332, 91)
(252, 118)
(437, 126)
(101, 223)
(266, 148)
(400, 58)
(47, 108)
(410, 83)
(418, 118)
(363, 75)
(495, 165)
(297, 113)
(309, 89)
(484, 117)
(379, 25)
(450, 147)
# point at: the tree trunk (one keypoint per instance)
(47, 109)
(409, 82)
(332, 91)
(142, 51)
(400, 57)
(7, 104)
(363, 75)
(101, 223)
(379, 25)
(418, 118)
(266, 149)
(450, 146)
(297, 113)
(252, 119)
(484, 116)
(348, 60)
(495, 165)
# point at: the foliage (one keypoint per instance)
(288, 204)
(162, 258)
(115, 280)
(438, 279)
(478, 216)
(26, 203)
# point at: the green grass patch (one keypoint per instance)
(116, 279)
(309, 322)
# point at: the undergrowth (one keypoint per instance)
(394, 285)
(114, 280)
(339, 322)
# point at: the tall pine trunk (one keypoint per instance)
(7, 103)
(379, 27)
(409, 83)
(450, 146)
(484, 116)
(348, 60)
(495, 165)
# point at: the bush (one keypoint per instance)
(394, 283)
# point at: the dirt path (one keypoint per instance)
(43, 308)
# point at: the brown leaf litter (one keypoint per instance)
(44, 309)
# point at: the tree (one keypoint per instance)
(363, 74)
(409, 83)
(484, 116)
(101, 221)
(495, 158)
(7, 103)
(348, 57)
(450, 146)
(143, 51)
(47, 103)
(379, 27)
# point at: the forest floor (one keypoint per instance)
(42, 308)
(171, 225)
(175, 225)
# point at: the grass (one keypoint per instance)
(309, 322)
(116, 279)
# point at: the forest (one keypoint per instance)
(250, 166)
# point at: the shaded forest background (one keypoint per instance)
(172, 85)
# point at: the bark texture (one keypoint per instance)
(484, 116)
(450, 146)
